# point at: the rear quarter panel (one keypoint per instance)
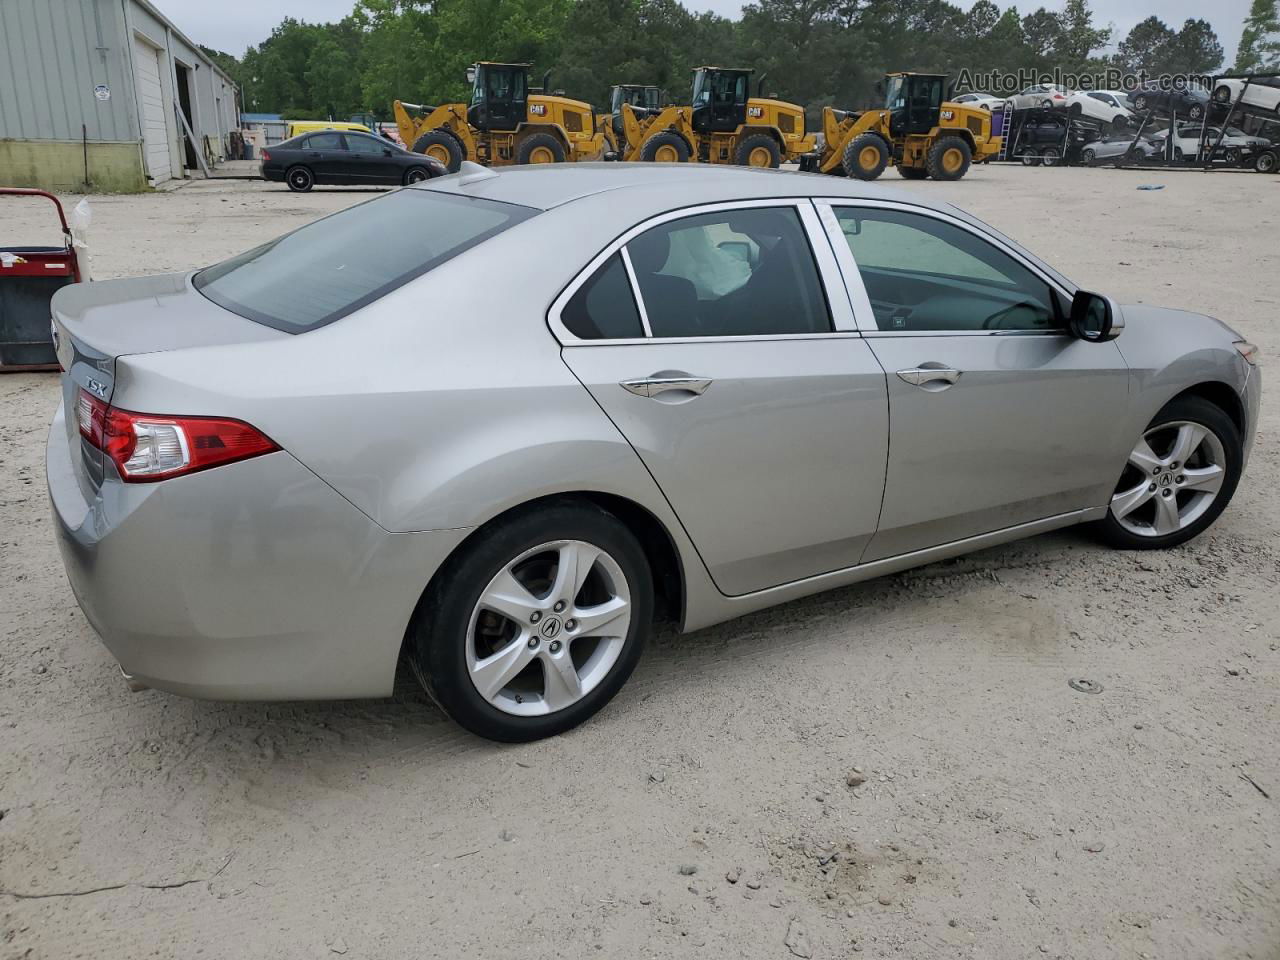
(441, 405)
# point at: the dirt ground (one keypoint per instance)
(707, 811)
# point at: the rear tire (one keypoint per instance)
(949, 159)
(1051, 156)
(865, 156)
(758, 150)
(441, 146)
(1030, 159)
(1194, 510)
(454, 631)
(540, 148)
(665, 147)
(1140, 103)
(300, 179)
(1267, 162)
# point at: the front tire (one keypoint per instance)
(1087, 157)
(865, 156)
(665, 147)
(442, 147)
(1178, 479)
(416, 175)
(535, 625)
(1267, 162)
(300, 179)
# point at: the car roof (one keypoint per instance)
(544, 186)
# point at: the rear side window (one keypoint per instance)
(330, 268)
(324, 141)
(603, 308)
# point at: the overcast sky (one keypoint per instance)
(232, 25)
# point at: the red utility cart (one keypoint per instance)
(29, 277)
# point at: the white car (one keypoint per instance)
(984, 101)
(1101, 105)
(1041, 95)
(1261, 94)
(1186, 143)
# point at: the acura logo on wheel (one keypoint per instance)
(1166, 480)
(551, 628)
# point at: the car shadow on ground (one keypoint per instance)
(407, 725)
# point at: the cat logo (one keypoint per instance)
(755, 112)
(538, 109)
(947, 114)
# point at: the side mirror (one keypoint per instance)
(851, 227)
(1094, 317)
(386, 151)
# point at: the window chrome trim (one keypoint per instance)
(841, 315)
(635, 291)
(858, 291)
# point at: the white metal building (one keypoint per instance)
(97, 91)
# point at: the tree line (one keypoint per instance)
(814, 52)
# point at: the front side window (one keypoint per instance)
(923, 274)
(365, 145)
(732, 273)
(321, 272)
(325, 141)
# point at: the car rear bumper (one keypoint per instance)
(251, 581)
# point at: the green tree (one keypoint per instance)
(1043, 32)
(1195, 49)
(1079, 37)
(1260, 42)
(1146, 48)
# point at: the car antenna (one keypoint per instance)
(473, 172)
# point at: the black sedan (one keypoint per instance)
(334, 157)
(1189, 102)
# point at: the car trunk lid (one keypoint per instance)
(94, 324)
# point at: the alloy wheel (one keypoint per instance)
(1173, 476)
(548, 628)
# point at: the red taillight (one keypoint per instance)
(266, 155)
(148, 446)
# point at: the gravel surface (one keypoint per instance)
(897, 769)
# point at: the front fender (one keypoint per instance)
(1172, 351)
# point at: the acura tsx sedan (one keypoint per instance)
(498, 424)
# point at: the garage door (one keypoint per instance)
(155, 134)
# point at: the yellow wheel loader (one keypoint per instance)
(724, 124)
(505, 122)
(645, 99)
(917, 130)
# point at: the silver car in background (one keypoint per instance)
(500, 422)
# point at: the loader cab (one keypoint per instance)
(720, 99)
(499, 95)
(637, 95)
(914, 102)
(645, 100)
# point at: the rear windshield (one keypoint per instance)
(330, 268)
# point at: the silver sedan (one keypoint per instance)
(499, 423)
